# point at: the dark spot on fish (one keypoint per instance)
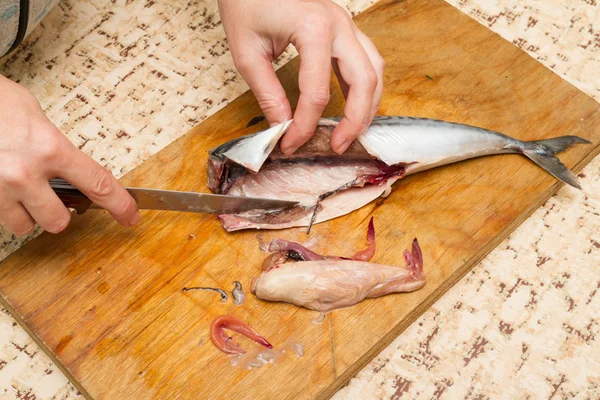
(232, 172)
(255, 120)
(294, 255)
(429, 77)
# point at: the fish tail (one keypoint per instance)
(560, 144)
(542, 152)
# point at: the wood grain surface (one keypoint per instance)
(107, 303)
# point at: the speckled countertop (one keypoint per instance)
(124, 79)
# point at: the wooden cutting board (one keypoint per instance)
(107, 304)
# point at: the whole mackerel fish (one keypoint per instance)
(329, 185)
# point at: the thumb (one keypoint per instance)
(258, 72)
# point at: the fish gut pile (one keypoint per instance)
(255, 357)
(297, 275)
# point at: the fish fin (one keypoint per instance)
(253, 150)
(542, 152)
(560, 144)
(553, 166)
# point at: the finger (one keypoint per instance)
(16, 220)
(338, 74)
(379, 64)
(357, 71)
(334, 62)
(100, 186)
(46, 208)
(313, 80)
(258, 72)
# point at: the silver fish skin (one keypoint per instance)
(329, 185)
(425, 143)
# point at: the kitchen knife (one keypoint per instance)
(154, 199)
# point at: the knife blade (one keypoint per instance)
(156, 199)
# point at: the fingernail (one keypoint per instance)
(288, 150)
(343, 147)
(135, 219)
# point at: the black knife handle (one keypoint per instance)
(70, 195)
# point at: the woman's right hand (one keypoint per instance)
(325, 36)
(33, 151)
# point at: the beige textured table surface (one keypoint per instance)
(123, 79)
